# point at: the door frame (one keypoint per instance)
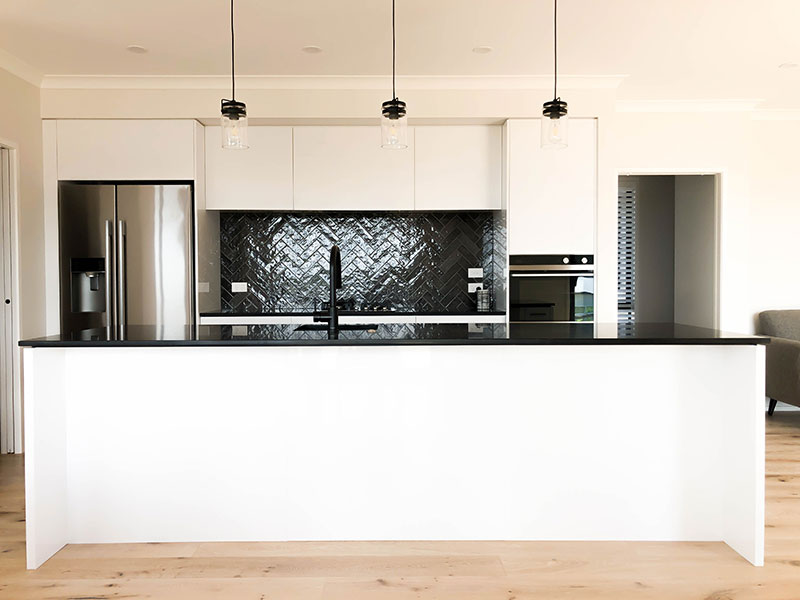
(11, 427)
(719, 179)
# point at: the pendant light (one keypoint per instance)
(394, 124)
(555, 120)
(234, 114)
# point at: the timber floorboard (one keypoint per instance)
(418, 570)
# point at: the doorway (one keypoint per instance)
(668, 259)
(10, 434)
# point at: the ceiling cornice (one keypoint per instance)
(251, 82)
(688, 106)
(20, 68)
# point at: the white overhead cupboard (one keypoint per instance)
(107, 150)
(458, 168)
(259, 178)
(551, 193)
(344, 168)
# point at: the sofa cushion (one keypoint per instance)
(780, 323)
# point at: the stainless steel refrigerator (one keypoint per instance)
(126, 257)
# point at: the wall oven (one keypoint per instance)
(551, 288)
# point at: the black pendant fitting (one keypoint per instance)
(555, 109)
(393, 109)
(233, 109)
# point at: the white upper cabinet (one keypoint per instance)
(458, 168)
(551, 193)
(345, 168)
(258, 178)
(106, 150)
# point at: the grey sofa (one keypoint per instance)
(783, 355)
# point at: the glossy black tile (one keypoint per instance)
(407, 261)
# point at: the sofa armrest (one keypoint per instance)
(783, 370)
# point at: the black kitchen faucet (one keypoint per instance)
(335, 283)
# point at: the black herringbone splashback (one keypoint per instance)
(408, 261)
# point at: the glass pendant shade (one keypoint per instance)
(394, 125)
(554, 132)
(234, 125)
(555, 124)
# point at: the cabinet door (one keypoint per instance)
(345, 168)
(551, 193)
(458, 167)
(259, 178)
(107, 150)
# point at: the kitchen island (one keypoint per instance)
(395, 432)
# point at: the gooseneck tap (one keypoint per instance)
(335, 270)
(336, 283)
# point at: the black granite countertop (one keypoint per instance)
(406, 334)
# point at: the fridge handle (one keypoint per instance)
(122, 279)
(110, 283)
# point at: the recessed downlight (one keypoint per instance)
(311, 49)
(788, 65)
(136, 49)
(482, 49)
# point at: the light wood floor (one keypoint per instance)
(424, 570)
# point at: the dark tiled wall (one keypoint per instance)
(410, 261)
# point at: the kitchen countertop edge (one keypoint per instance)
(655, 341)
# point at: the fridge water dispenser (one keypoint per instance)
(88, 285)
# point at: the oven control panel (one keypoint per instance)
(551, 259)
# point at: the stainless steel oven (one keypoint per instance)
(551, 288)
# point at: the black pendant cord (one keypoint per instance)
(233, 59)
(555, 48)
(394, 109)
(394, 56)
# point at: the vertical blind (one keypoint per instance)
(626, 254)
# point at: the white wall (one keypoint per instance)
(706, 142)
(759, 196)
(695, 265)
(774, 154)
(20, 124)
(309, 105)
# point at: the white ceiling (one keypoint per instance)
(668, 49)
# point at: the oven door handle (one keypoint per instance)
(568, 274)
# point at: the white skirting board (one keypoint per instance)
(394, 443)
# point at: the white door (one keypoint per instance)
(7, 341)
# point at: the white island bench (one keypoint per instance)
(411, 432)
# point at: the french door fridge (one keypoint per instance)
(126, 257)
